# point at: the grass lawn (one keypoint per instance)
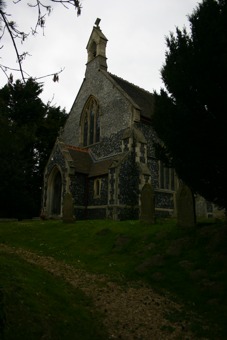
(34, 305)
(188, 263)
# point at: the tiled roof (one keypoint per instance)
(82, 160)
(77, 148)
(143, 98)
(84, 164)
(101, 167)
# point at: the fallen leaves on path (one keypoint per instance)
(130, 312)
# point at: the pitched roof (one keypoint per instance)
(83, 163)
(101, 167)
(143, 98)
(81, 159)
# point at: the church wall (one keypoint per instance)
(153, 167)
(57, 159)
(149, 135)
(164, 199)
(108, 146)
(103, 198)
(77, 189)
(80, 213)
(128, 189)
(115, 110)
(128, 213)
(96, 214)
(91, 207)
(87, 206)
(152, 163)
(129, 182)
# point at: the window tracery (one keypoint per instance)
(90, 127)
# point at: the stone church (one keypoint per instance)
(104, 155)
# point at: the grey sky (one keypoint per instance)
(136, 47)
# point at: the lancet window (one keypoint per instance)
(90, 127)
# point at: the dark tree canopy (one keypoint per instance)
(28, 129)
(191, 112)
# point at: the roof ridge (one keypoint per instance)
(105, 158)
(77, 148)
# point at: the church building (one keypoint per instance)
(104, 155)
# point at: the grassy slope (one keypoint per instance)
(190, 264)
(34, 305)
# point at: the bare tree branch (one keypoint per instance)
(9, 77)
(74, 3)
(54, 75)
(10, 26)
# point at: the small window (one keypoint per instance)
(166, 177)
(97, 187)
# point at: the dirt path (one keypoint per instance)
(132, 312)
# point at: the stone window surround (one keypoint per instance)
(97, 187)
(92, 130)
(167, 178)
(50, 192)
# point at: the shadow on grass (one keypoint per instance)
(34, 305)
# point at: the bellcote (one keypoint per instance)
(96, 47)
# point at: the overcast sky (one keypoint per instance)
(135, 30)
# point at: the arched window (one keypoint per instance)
(90, 122)
(97, 187)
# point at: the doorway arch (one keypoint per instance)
(55, 192)
(56, 198)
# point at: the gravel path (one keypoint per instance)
(130, 312)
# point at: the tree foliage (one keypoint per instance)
(28, 129)
(7, 25)
(191, 112)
